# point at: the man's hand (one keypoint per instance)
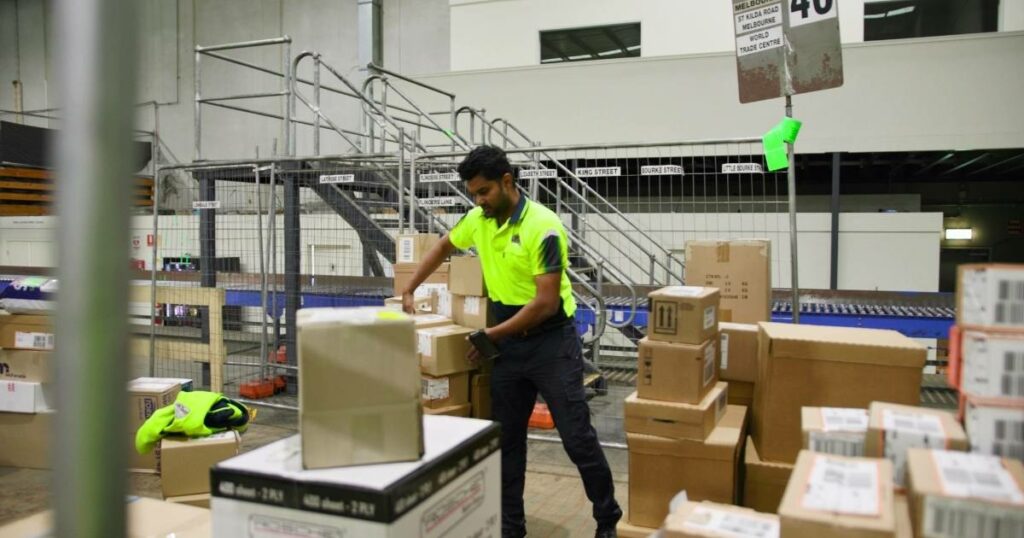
(472, 354)
(408, 302)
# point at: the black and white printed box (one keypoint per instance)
(990, 296)
(995, 430)
(454, 490)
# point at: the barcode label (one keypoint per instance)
(444, 304)
(908, 430)
(709, 364)
(843, 486)
(993, 365)
(423, 343)
(33, 340)
(844, 419)
(1009, 304)
(724, 362)
(709, 317)
(837, 443)
(710, 521)
(998, 431)
(949, 518)
(976, 475)
(434, 389)
(405, 250)
(471, 306)
(1012, 381)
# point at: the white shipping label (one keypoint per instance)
(837, 443)
(426, 290)
(337, 178)
(434, 389)
(843, 486)
(844, 419)
(993, 366)
(724, 361)
(759, 18)
(471, 306)
(709, 364)
(33, 340)
(996, 430)
(406, 248)
(963, 474)
(730, 524)
(423, 343)
(709, 317)
(683, 291)
(955, 518)
(742, 168)
(908, 430)
(444, 304)
(993, 297)
(767, 39)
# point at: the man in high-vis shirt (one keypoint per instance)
(524, 254)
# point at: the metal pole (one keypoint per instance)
(289, 86)
(96, 64)
(834, 265)
(316, 99)
(401, 181)
(197, 120)
(156, 234)
(412, 190)
(791, 177)
(272, 229)
(263, 268)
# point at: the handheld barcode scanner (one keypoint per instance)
(484, 345)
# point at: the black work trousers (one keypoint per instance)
(550, 363)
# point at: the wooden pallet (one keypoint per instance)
(30, 192)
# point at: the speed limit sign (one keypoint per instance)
(807, 11)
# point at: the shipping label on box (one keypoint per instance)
(25, 397)
(893, 429)
(698, 520)
(835, 430)
(740, 269)
(410, 248)
(22, 331)
(25, 365)
(998, 431)
(684, 314)
(991, 295)
(444, 391)
(992, 365)
(475, 312)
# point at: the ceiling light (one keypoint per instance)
(959, 234)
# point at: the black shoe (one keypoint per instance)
(606, 532)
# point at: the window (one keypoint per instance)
(899, 19)
(594, 43)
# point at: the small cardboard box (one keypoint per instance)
(714, 520)
(893, 428)
(146, 518)
(444, 391)
(764, 482)
(659, 468)
(461, 410)
(359, 388)
(742, 393)
(25, 365)
(673, 372)
(808, 365)
(443, 304)
(995, 430)
(145, 396)
(676, 420)
(25, 439)
(442, 350)
(480, 395)
(410, 248)
(684, 314)
(199, 500)
(839, 497)
(419, 304)
(625, 529)
(21, 331)
(990, 296)
(473, 312)
(738, 352)
(25, 397)
(427, 321)
(467, 276)
(992, 365)
(435, 283)
(185, 463)
(834, 430)
(951, 490)
(741, 270)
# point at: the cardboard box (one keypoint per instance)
(764, 482)
(359, 388)
(427, 321)
(460, 410)
(626, 529)
(410, 248)
(25, 439)
(442, 350)
(25, 365)
(713, 520)
(444, 391)
(738, 352)
(659, 468)
(950, 490)
(467, 276)
(990, 296)
(838, 497)
(185, 463)
(199, 500)
(807, 365)
(684, 314)
(676, 420)
(480, 395)
(673, 372)
(21, 331)
(453, 490)
(992, 365)
(435, 283)
(893, 428)
(145, 396)
(741, 270)
(444, 302)
(420, 304)
(995, 430)
(26, 397)
(472, 311)
(834, 430)
(184, 384)
(901, 509)
(742, 393)
(146, 518)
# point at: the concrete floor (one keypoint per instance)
(556, 505)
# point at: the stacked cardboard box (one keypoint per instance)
(893, 429)
(185, 465)
(713, 520)
(681, 433)
(467, 303)
(834, 430)
(27, 395)
(409, 251)
(990, 320)
(737, 362)
(145, 396)
(740, 269)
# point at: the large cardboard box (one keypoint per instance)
(460, 410)
(741, 270)
(444, 391)
(659, 468)
(467, 276)
(834, 430)
(26, 397)
(807, 365)
(990, 296)
(185, 463)
(145, 396)
(22, 331)
(473, 312)
(894, 428)
(453, 490)
(359, 388)
(480, 395)
(742, 393)
(147, 518)
(410, 248)
(676, 372)
(435, 283)
(992, 365)
(25, 438)
(625, 529)
(764, 482)
(674, 420)
(996, 430)
(951, 491)
(838, 497)
(738, 352)
(442, 350)
(714, 520)
(25, 365)
(684, 314)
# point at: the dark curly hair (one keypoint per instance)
(487, 161)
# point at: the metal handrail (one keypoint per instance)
(374, 67)
(246, 44)
(433, 124)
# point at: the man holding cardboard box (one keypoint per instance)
(524, 254)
